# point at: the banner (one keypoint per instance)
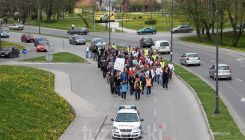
(119, 64)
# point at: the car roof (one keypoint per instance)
(127, 111)
(191, 53)
(223, 65)
(161, 41)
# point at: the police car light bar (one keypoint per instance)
(127, 107)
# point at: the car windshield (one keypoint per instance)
(98, 40)
(193, 55)
(7, 49)
(148, 39)
(223, 67)
(164, 44)
(78, 37)
(127, 117)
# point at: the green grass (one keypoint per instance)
(9, 44)
(223, 123)
(59, 57)
(30, 109)
(227, 41)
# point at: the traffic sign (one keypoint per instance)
(49, 57)
(24, 51)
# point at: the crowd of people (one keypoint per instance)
(143, 68)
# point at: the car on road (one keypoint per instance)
(77, 40)
(78, 31)
(42, 47)
(4, 34)
(148, 30)
(16, 26)
(162, 46)
(146, 42)
(98, 42)
(10, 52)
(183, 29)
(27, 38)
(224, 71)
(127, 123)
(39, 39)
(190, 59)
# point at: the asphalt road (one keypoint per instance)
(232, 92)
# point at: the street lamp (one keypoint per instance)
(171, 42)
(217, 59)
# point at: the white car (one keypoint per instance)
(127, 123)
(16, 26)
(162, 46)
(190, 59)
(224, 71)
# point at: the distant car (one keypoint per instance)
(98, 42)
(148, 30)
(42, 47)
(77, 40)
(162, 46)
(241, 26)
(146, 42)
(27, 38)
(78, 31)
(183, 29)
(224, 72)
(16, 26)
(190, 59)
(4, 34)
(127, 123)
(10, 52)
(39, 39)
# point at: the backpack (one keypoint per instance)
(137, 85)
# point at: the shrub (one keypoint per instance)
(150, 22)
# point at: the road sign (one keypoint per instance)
(49, 57)
(24, 51)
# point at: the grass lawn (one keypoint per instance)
(60, 57)
(222, 125)
(29, 108)
(227, 41)
(9, 44)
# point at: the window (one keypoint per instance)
(127, 117)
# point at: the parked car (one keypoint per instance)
(98, 42)
(27, 38)
(42, 47)
(190, 59)
(146, 42)
(148, 30)
(224, 71)
(78, 31)
(162, 46)
(39, 39)
(10, 52)
(183, 29)
(77, 40)
(16, 26)
(4, 34)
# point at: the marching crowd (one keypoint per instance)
(143, 68)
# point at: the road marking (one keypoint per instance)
(238, 79)
(155, 112)
(242, 99)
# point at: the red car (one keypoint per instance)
(42, 47)
(27, 38)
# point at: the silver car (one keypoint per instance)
(224, 72)
(190, 59)
(16, 26)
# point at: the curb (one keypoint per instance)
(201, 107)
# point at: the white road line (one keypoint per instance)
(242, 99)
(155, 112)
(238, 79)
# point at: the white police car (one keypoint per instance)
(127, 123)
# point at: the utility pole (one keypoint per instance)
(39, 29)
(94, 8)
(109, 22)
(217, 59)
(122, 15)
(171, 42)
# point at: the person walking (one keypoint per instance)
(131, 84)
(143, 82)
(117, 85)
(171, 70)
(137, 88)
(112, 82)
(124, 90)
(148, 85)
(165, 76)
(158, 74)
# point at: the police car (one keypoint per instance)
(127, 123)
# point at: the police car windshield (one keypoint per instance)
(127, 117)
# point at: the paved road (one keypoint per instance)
(169, 114)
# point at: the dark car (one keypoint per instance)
(77, 40)
(183, 29)
(78, 31)
(148, 30)
(37, 40)
(4, 34)
(146, 42)
(10, 52)
(27, 38)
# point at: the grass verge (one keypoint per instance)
(59, 57)
(222, 125)
(29, 108)
(10, 44)
(227, 41)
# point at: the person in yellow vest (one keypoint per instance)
(114, 46)
(148, 85)
(146, 51)
(129, 49)
(162, 63)
(154, 57)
